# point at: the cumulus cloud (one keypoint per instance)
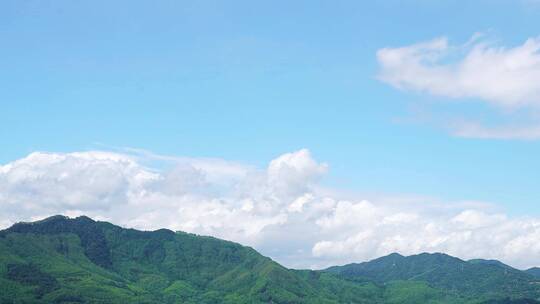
(281, 210)
(507, 78)
(467, 234)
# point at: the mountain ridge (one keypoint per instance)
(65, 260)
(535, 271)
(442, 271)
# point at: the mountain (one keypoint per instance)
(474, 278)
(490, 262)
(535, 271)
(65, 260)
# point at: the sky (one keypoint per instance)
(318, 132)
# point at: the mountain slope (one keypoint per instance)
(535, 271)
(63, 260)
(475, 278)
(79, 260)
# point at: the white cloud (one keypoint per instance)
(477, 130)
(281, 210)
(507, 78)
(503, 76)
(473, 219)
(467, 234)
(91, 180)
(294, 173)
(298, 204)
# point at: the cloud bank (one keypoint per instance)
(281, 210)
(507, 78)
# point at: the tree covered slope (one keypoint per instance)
(63, 260)
(480, 279)
(535, 271)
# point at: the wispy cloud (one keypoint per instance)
(477, 130)
(507, 78)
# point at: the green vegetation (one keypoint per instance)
(450, 277)
(535, 271)
(62, 260)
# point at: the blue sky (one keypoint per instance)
(248, 81)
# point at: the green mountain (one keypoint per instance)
(481, 279)
(490, 262)
(63, 260)
(535, 271)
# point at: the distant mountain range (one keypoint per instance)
(64, 260)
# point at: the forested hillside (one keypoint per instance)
(63, 260)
